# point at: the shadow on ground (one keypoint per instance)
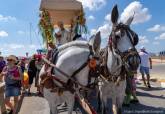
(143, 109)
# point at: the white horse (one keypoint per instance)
(121, 53)
(70, 58)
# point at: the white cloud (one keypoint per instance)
(3, 34)
(7, 18)
(141, 13)
(160, 37)
(156, 43)
(20, 32)
(108, 17)
(93, 4)
(156, 28)
(18, 49)
(33, 46)
(15, 46)
(105, 30)
(91, 17)
(93, 31)
(143, 40)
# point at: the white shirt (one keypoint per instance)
(144, 59)
(65, 37)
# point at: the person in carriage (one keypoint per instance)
(63, 35)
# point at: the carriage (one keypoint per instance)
(70, 12)
(73, 62)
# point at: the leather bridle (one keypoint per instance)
(113, 42)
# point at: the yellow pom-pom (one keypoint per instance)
(25, 79)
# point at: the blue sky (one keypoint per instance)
(16, 16)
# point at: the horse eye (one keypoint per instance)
(118, 34)
(122, 33)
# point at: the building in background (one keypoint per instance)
(162, 53)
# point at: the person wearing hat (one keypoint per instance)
(145, 65)
(12, 76)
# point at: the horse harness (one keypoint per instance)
(72, 83)
(104, 73)
(112, 44)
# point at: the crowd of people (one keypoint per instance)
(13, 69)
(12, 72)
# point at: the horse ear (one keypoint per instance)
(95, 42)
(114, 15)
(129, 20)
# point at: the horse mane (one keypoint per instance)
(74, 43)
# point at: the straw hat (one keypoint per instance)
(12, 57)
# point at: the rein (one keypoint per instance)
(63, 73)
(90, 56)
(105, 74)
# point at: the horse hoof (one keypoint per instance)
(98, 110)
(134, 101)
(126, 105)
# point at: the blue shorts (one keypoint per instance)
(144, 70)
(12, 91)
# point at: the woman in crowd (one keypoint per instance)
(22, 64)
(32, 70)
(12, 76)
(39, 64)
(2, 63)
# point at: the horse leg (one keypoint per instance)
(104, 103)
(120, 97)
(70, 103)
(53, 107)
(53, 110)
(119, 107)
(99, 102)
(114, 108)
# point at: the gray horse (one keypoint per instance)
(72, 59)
(120, 57)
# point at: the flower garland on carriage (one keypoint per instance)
(77, 26)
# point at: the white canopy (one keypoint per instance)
(61, 10)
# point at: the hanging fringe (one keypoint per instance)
(45, 27)
(81, 27)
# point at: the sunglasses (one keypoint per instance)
(9, 60)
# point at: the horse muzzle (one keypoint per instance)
(132, 62)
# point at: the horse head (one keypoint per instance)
(73, 59)
(122, 41)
